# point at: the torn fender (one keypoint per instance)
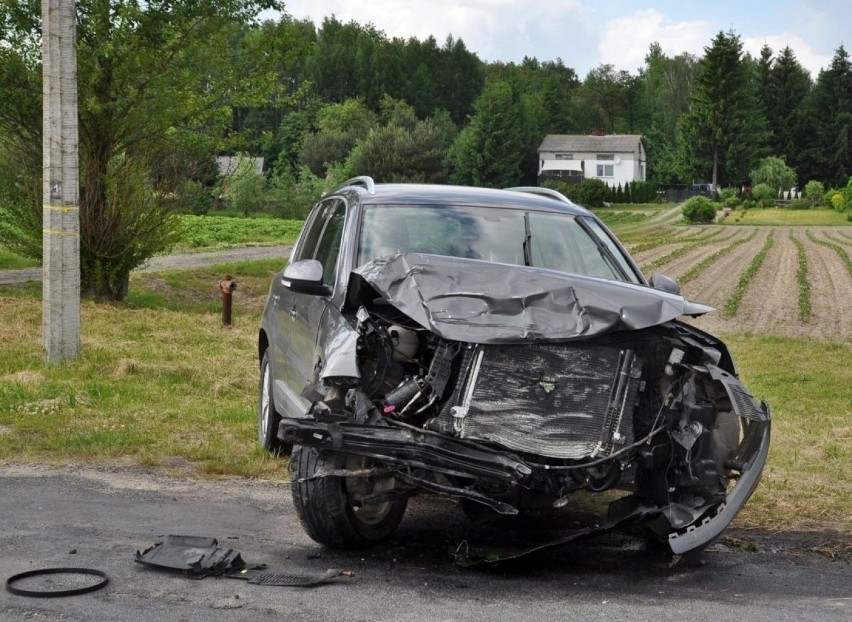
(484, 302)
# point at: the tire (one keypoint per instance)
(324, 505)
(267, 416)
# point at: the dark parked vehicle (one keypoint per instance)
(500, 347)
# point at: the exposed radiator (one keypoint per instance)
(571, 401)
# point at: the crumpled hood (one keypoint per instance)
(483, 302)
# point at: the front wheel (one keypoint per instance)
(327, 507)
(267, 417)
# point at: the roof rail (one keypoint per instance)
(545, 192)
(364, 181)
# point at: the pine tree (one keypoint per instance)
(828, 131)
(724, 133)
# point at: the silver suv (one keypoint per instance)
(502, 348)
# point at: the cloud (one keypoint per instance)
(496, 30)
(626, 40)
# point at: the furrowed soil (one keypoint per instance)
(770, 303)
(831, 289)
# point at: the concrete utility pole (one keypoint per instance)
(60, 194)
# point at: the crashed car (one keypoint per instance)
(500, 347)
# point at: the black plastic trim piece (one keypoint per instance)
(53, 594)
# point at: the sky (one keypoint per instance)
(587, 33)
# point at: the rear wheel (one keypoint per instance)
(327, 506)
(267, 417)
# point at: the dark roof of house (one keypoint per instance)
(614, 143)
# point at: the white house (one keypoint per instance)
(615, 159)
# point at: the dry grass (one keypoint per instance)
(150, 385)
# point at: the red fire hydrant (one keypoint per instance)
(227, 287)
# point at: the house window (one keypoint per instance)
(564, 156)
(605, 170)
(605, 156)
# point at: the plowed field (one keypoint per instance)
(709, 261)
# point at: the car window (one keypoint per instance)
(328, 247)
(310, 236)
(558, 241)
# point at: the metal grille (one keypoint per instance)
(555, 400)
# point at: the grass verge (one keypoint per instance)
(732, 304)
(159, 387)
(807, 483)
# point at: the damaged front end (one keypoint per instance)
(436, 389)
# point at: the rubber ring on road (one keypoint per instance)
(51, 594)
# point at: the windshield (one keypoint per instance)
(563, 242)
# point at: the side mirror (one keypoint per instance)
(664, 283)
(305, 277)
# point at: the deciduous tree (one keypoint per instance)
(145, 71)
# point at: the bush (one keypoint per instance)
(847, 194)
(775, 173)
(800, 204)
(699, 210)
(589, 192)
(764, 195)
(197, 197)
(749, 204)
(814, 192)
(837, 201)
(728, 193)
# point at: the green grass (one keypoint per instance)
(732, 305)
(807, 482)
(210, 232)
(152, 384)
(787, 217)
(11, 261)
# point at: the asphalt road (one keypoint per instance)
(98, 518)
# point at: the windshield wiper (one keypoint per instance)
(604, 250)
(527, 240)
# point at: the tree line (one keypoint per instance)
(164, 86)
